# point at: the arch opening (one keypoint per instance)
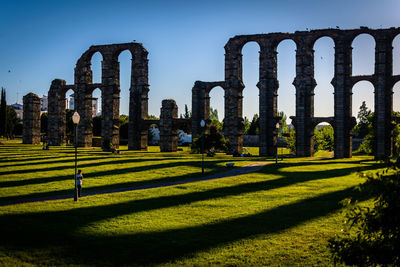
(396, 97)
(96, 67)
(324, 58)
(217, 111)
(363, 56)
(125, 71)
(96, 111)
(323, 140)
(250, 67)
(286, 73)
(363, 106)
(396, 55)
(70, 108)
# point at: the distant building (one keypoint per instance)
(44, 101)
(19, 109)
(71, 102)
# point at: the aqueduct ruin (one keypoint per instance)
(383, 81)
(304, 82)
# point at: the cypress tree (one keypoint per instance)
(3, 112)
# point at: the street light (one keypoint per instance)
(75, 120)
(276, 151)
(202, 124)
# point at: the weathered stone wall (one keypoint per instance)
(31, 121)
(304, 121)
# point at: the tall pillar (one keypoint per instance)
(168, 131)
(200, 107)
(31, 119)
(305, 84)
(233, 121)
(56, 113)
(83, 101)
(110, 101)
(343, 98)
(268, 86)
(383, 95)
(138, 100)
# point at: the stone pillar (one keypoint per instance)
(200, 107)
(233, 121)
(268, 85)
(383, 95)
(343, 98)
(83, 101)
(110, 101)
(305, 84)
(168, 132)
(138, 101)
(31, 119)
(56, 113)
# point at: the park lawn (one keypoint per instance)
(283, 214)
(27, 171)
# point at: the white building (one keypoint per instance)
(44, 101)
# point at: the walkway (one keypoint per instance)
(235, 171)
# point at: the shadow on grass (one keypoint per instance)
(42, 230)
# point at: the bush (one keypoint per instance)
(215, 141)
(372, 235)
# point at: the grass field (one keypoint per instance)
(283, 214)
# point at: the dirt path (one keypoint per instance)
(235, 171)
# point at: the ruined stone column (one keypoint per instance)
(268, 85)
(83, 101)
(200, 107)
(343, 98)
(138, 100)
(305, 84)
(110, 101)
(31, 119)
(168, 132)
(56, 113)
(383, 95)
(233, 121)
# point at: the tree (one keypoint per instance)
(323, 138)
(215, 141)
(11, 122)
(254, 126)
(214, 119)
(246, 126)
(368, 145)
(372, 234)
(3, 110)
(361, 129)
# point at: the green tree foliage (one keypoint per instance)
(214, 119)
(254, 128)
(368, 145)
(246, 125)
(362, 127)
(283, 128)
(3, 110)
(290, 140)
(323, 138)
(215, 141)
(372, 235)
(11, 122)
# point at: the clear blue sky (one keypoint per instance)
(42, 40)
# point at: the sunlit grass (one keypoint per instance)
(283, 214)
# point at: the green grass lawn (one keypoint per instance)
(283, 214)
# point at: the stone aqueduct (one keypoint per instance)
(304, 121)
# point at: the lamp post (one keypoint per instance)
(75, 120)
(202, 124)
(276, 150)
